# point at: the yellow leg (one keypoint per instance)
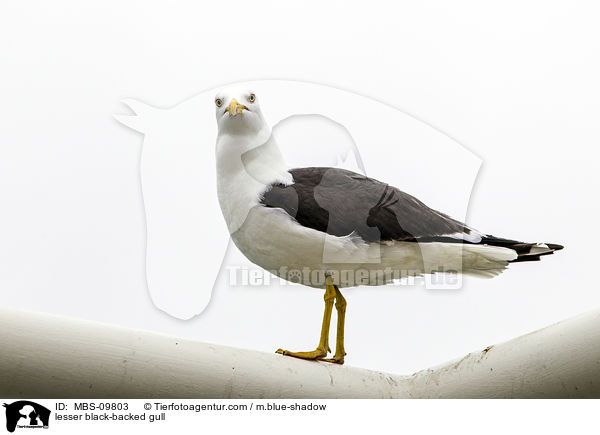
(323, 347)
(340, 306)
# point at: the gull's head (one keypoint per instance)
(238, 112)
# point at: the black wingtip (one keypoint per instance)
(526, 256)
(555, 247)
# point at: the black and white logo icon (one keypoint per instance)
(26, 414)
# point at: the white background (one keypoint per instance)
(517, 83)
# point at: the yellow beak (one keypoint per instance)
(235, 108)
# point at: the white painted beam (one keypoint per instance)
(44, 356)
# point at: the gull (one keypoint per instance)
(331, 228)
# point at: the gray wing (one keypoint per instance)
(341, 202)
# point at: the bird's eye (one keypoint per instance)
(219, 102)
(252, 98)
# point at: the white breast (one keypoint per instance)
(246, 166)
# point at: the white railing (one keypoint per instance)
(45, 356)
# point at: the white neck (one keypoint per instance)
(246, 166)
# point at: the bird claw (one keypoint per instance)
(334, 360)
(315, 355)
(312, 355)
